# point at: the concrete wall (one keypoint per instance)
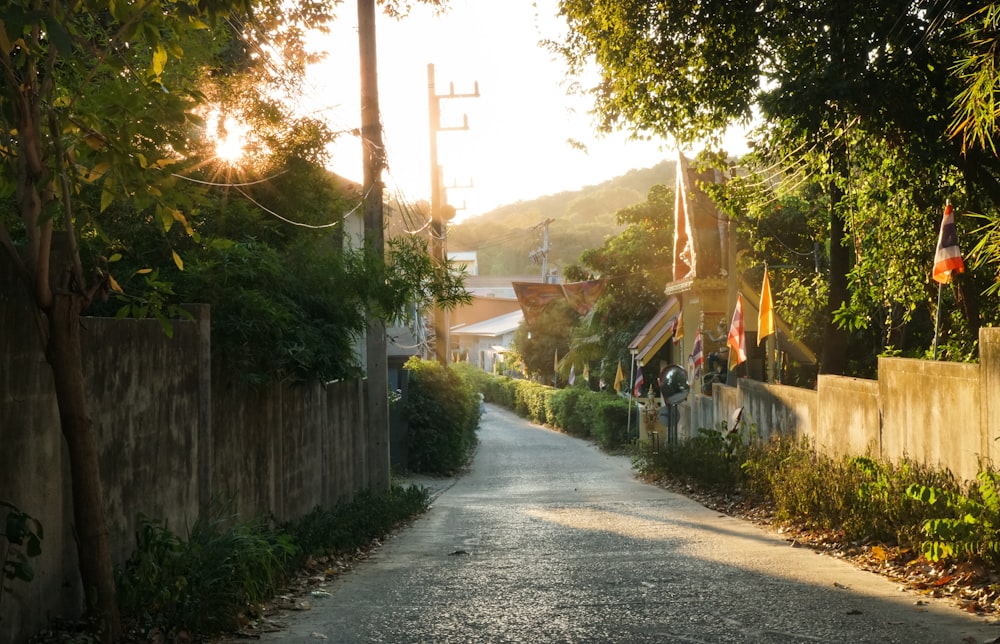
(848, 419)
(943, 414)
(931, 412)
(174, 438)
(777, 409)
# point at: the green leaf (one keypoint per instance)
(107, 197)
(159, 59)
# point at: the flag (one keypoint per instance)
(572, 374)
(678, 328)
(948, 257)
(619, 378)
(586, 373)
(737, 340)
(555, 362)
(637, 389)
(659, 376)
(765, 313)
(697, 357)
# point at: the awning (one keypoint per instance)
(656, 332)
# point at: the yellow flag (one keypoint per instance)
(555, 362)
(586, 372)
(619, 378)
(765, 315)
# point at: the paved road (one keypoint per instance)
(547, 539)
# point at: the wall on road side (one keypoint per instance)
(176, 441)
(944, 414)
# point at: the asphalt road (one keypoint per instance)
(547, 539)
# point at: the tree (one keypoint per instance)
(106, 97)
(87, 98)
(636, 264)
(547, 339)
(823, 77)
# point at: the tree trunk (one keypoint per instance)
(833, 359)
(64, 354)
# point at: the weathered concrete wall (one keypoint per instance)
(943, 414)
(777, 410)
(33, 466)
(848, 418)
(989, 388)
(931, 413)
(144, 393)
(172, 436)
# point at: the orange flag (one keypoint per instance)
(765, 315)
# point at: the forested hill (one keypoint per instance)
(506, 237)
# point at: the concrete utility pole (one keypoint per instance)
(441, 212)
(376, 361)
(542, 254)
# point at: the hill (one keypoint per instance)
(506, 237)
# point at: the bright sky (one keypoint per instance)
(516, 147)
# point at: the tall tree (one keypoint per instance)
(815, 72)
(86, 97)
(636, 265)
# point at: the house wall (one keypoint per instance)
(482, 309)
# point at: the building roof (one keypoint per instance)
(494, 327)
(652, 336)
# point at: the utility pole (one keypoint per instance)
(542, 254)
(441, 212)
(376, 367)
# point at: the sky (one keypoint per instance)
(517, 145)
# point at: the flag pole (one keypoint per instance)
(937, 322)
(631, 379)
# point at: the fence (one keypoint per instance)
(174, 437)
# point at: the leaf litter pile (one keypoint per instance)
(972, 587)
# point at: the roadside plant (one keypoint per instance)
(442, 413)
(965, 526)
(203, 584)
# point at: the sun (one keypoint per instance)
(228, 136)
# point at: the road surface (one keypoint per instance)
(548, 539)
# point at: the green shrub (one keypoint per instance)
(442, 412)
(354, 523)
(204, 584)
(608, 418)
(963, 524)
(474, 377)
(711, 458)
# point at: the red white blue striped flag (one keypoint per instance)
(948, 257)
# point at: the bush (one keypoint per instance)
(354, 523)
(712, 459)
(443, 414)
(202, 585)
